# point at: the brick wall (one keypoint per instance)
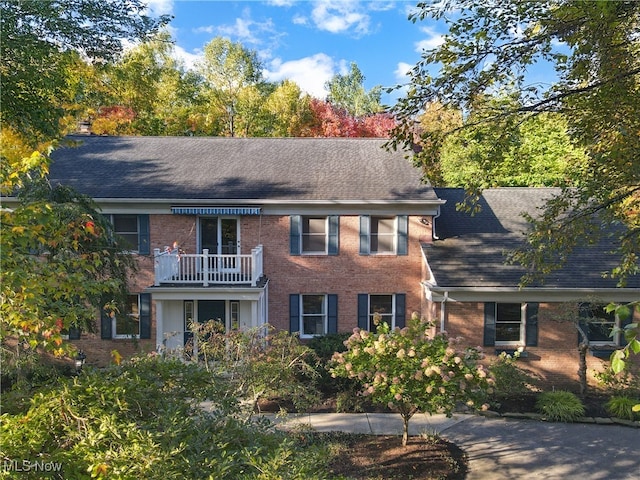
(346, 274)
(554, 361)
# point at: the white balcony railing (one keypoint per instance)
(205, 269)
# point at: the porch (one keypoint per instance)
(205, 269)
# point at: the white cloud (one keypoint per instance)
(310, 73)
(337, 16)
(401, 72)
(188, 59)
(433, 40)
(160, 7)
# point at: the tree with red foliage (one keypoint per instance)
(331, 121)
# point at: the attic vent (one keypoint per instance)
(216, 210)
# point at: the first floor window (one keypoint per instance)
(375, 309)
(598, 324)
(127, 324)
(381, 310)
(313, 315)
(133, 321)
(510, 324)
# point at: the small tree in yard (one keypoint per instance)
(410, 370)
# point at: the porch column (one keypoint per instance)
(255, 312)
(159, 326)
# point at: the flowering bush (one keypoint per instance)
(410, 370)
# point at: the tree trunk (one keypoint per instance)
(582, 368)
(405, 430)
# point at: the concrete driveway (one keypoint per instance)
(506, 448)
(503, 448)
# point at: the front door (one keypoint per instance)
(206, 310)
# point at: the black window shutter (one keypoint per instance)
(363, 311)
(294, 313)
(106, 330)
(334, 234)
(401, 313)
(403, 230)
(295, 234)
(74, 333)
(531, 333)
(143, 235)
(489, 324)
(145, 315)
(332, 310)
(365, 233)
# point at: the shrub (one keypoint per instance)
(622, 406)
(560, 406)
(409, 370)
(511, 380)
(259, 363)
(143, 419)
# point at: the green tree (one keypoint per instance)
(228, 68)
(60, 265)
(596, 54)
(59, 261)
(347, 92)
(410, 370)
(38, 41)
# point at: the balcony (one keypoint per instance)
(203, 269)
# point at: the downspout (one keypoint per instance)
(443, 311)
(433, 225)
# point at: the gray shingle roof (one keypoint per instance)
(238, 168)
(471, 250)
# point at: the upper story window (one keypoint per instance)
(132, 230)
(314, 234)
(598, 324)
(510, 324)
(383, 235)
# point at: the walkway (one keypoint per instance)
(506, 448)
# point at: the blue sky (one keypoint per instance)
(308, 41)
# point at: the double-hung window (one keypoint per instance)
(598, 324)
(383, 235)
(510, 325)
(314, 314)
(134, 321)
(375, 309)
(132, 230)
(127, 324)
(314, 234)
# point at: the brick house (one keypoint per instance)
(315, 236)
(474, 293)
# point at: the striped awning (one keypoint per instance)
(216, 210)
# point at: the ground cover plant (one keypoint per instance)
(560, 406)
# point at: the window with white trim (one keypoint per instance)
(383, 235)
(127, 324)
(510, 323)
(381, 310)
(313, 315)
(314, 235)
(598, 324)
(126, 227)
